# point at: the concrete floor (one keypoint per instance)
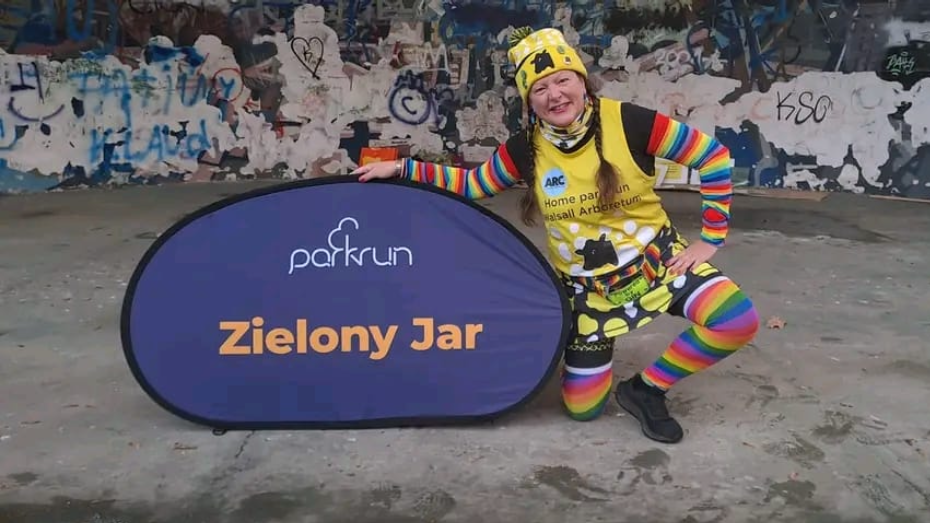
(824, 420)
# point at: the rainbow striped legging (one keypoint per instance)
(722, 316)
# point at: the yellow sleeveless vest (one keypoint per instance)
(585, 239)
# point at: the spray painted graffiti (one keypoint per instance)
(309, 52)
(803, 107)
(825, 95)
(413, 102)
(29, 84)
(907, 64)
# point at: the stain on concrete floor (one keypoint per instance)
(37, 213)
(569, 483)
(798, 450)
(650, 467)
(24, 478)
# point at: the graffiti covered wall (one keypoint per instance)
(808, 94)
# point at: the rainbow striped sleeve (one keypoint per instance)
(486, 180)
(688, 146)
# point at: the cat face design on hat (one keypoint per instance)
(550, 74)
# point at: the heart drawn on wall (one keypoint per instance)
(308, 51)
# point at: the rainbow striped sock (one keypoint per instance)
(724, 321)
(585, 391)
(587, 377)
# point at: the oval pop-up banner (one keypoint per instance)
(331, 303)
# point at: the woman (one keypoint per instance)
(588, 163)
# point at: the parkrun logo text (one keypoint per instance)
(342, 254)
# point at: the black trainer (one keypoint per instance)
(647, 404)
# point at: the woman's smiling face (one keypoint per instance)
(558, 99)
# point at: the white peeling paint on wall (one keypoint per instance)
(136, 110)
(900, 32)
(421, 138)
(918, 117)
(692, 99)
(75, 111)
(484, 121)
(797, 177)
(824, 115)
(477, 153)
(315, 86)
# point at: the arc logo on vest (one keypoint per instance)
(554, 183)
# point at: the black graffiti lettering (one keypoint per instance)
(306, 52)
(818, 111)
(34, 74)
(30, 79)
(782, 105)
(805, 95)
(805, 110)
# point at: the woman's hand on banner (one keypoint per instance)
(383, 170)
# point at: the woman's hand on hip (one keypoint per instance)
(383, 170)
(690, 258)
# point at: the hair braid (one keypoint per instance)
(608, 183)
(528, 204)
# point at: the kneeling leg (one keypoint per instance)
(587, 376)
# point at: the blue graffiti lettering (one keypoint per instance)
(107, 86)
(98, 144)
(90, 20)
(143, 81)
(155, 53)
(194, 87)
(351, 16)
(163, 144)
(412, 102)
(71, 17)
(199, 92)
(116, 84)
(18, 132)
(170, 81)
(226, 85)
(190, 87)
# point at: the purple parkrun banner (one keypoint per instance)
(330, 303)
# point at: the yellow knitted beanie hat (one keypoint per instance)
(538, 54)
